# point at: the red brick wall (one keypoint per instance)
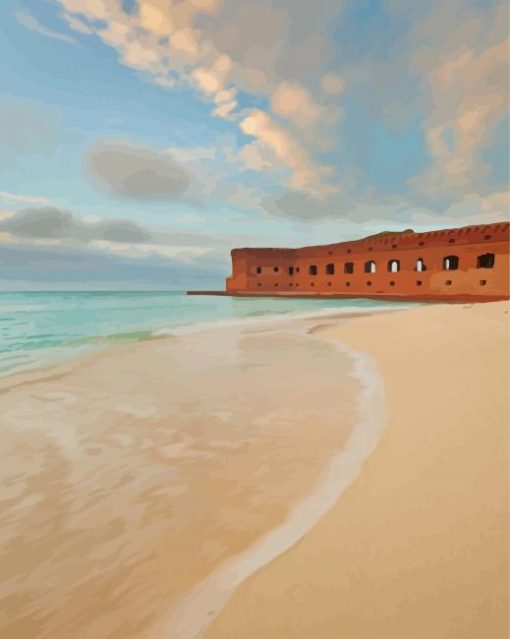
(467, 282)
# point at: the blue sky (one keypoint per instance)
(152, 136)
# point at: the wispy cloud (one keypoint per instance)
(31, 22)
(18, 198)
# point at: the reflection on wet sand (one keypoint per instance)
(128, 478)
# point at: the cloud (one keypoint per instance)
(50, 223)
(29, 21)
(137, 172)
(224, 47)
(17, 198)
(25, 266)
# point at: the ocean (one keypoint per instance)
(38, 329)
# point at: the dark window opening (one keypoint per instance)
(330, 269)
(369, 283)
(291, 284)
(330, 252)
(451, 263)
(349, 250)
(448, 282)
(329, 283)
(312, 284)
(347, 283)
(483, 282)
(485, 261)
(392, 283)
(297, 269)
(393, 246)
(419, 282)
(276, 284)
(312, 269)
(370, 248)
(276, 269)
(349, 267)
(370, 267)
(259, 269)
(297, 285)
(393, 266)
(291, 270)
(452, 241)
(421, 243)
(487, 237)
(259, 284)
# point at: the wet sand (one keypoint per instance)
(129, 476)
(417, 546)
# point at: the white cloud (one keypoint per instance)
(29, 21)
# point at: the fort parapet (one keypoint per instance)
(463, 264)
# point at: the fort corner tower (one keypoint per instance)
(469, 263)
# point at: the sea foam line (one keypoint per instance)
(332, 312)
(195, 611)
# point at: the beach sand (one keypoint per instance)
(141, 485)
(417, 546)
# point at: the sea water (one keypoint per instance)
(43, 328)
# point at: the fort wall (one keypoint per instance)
(469, 263)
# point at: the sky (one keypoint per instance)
(142, 140)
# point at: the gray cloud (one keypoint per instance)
(25, 266)
(302, 207)
(136, 172)
(48, 222)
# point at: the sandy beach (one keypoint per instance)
(333, 476)
(417, 546)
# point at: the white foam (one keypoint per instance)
(194, 612)
(276, 317)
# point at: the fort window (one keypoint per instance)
(369, 283)
(330, 269)
(291, 270)
(259, 269)
(421, 243)
(451, 241)
(329, 283)
(291, 284)
(420, 265)
(276, 284)
(276, 269)
(297, 269)
(349, 250)
(349, 267)
(312, 284)
(483, 282)
(370, 248)
(419, 282)
(330, 252)
(259, 284)
(485, 261)
(451, 263)
(448, 282)
(393, 266)
(393, 246)
(370, 266)
(487, 237)
(312, 269)
(347, 283)
(392, 283)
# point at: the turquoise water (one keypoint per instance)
(42, 328)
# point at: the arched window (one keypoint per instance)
(312, 269)
(370, 266)
(450, 263)
(291, 270)
(420, 265)
(485, 261)
(393, 266)
(259, 269)
(330, 269)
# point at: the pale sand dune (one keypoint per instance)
(417, 546)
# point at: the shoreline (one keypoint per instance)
(196, 610)
(218, 456)
(417, 545)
